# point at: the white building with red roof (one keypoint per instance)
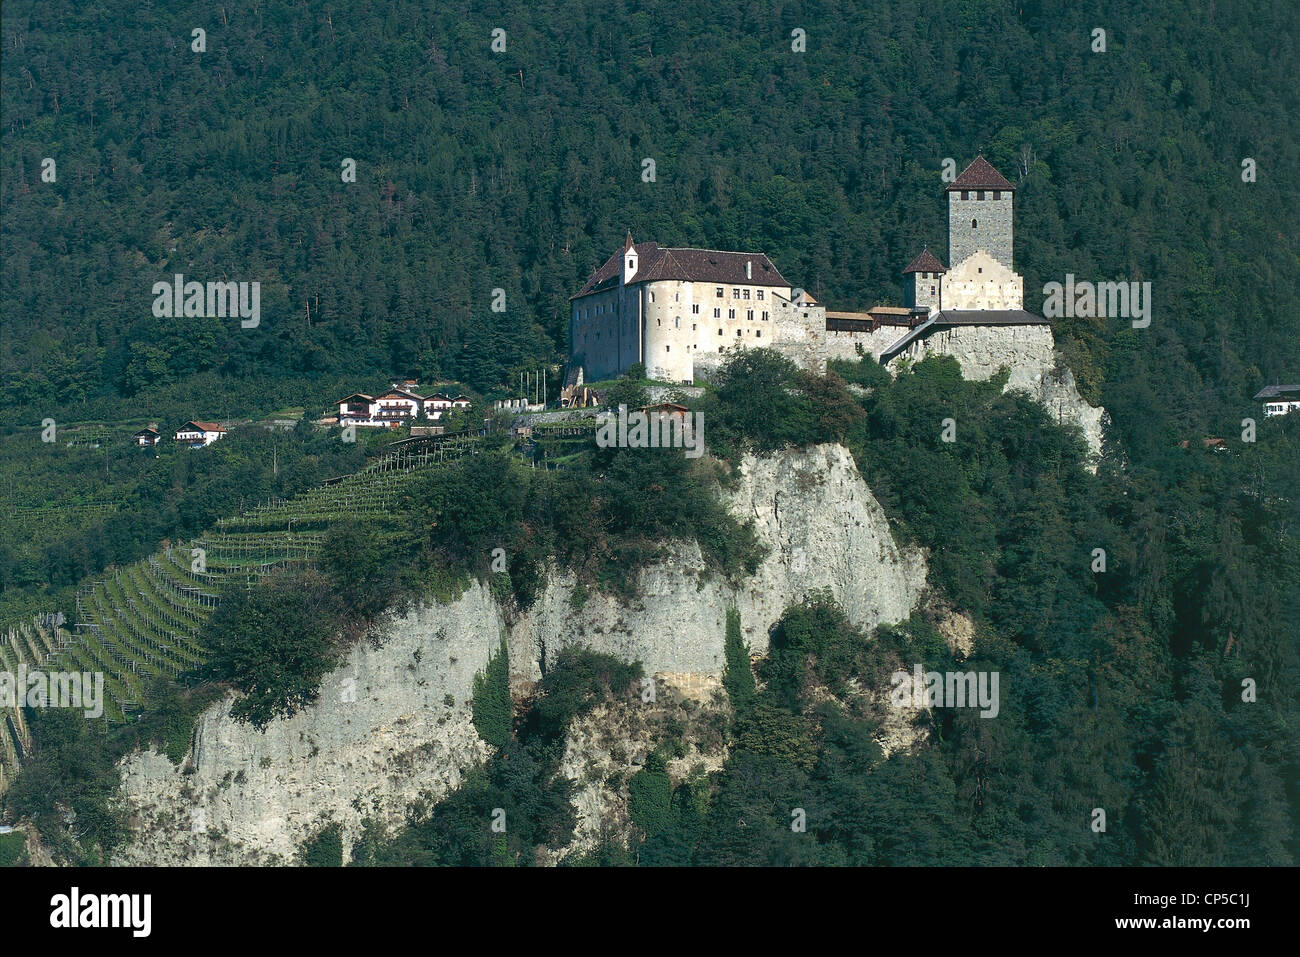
(664, 306)
(198, 434)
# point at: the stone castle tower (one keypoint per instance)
(924, 283)
(979, 214)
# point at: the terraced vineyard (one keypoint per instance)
(29, 643)
(144, 620)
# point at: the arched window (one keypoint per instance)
(973, 224)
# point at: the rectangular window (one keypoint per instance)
(746, 293)
(965, 194)
(759, 295)
(749, 314)
(695, 308)
(719, 332)
(997, 194)
(731, 313)
(980, 194)
(719, 292)
(764, 313)
(717, 313)
(758, 333)
(735, 293)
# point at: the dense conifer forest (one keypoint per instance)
(521, 171)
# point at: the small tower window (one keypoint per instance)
(973, 224)
(652, 295)
(932, 290)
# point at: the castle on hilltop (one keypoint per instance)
(681, 311)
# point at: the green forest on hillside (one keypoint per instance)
(521, 171)
(226, 165)
(1124, 689)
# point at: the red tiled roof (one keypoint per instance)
(926, 262)
(203, 426)
(980, 175)
(697, 265)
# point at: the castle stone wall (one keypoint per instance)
(991, 232)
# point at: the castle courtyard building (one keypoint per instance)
(665, 307)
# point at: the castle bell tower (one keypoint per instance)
(979, 214)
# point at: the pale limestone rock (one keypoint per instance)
(259, 795)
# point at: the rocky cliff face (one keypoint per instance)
(394, 722)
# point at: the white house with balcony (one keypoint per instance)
(1279, 399)
(399, 404)
(197, 434)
